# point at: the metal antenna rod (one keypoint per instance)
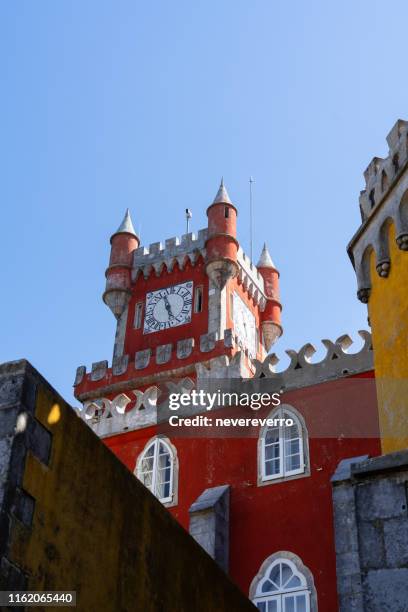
(251, 180)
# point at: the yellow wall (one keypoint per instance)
(98, 531)
(388, 312)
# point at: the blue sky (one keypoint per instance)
(108, 105)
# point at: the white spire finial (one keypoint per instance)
(265, 260)
(126, 226)
(222, 196)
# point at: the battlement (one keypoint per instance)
(174, 357)
(186, 248)
(384, 202)
(337, 363)
(109, 416)
(251, 278)
(301, 371)
(382, 173)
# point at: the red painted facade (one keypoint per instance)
(295, 515)
(341, 419)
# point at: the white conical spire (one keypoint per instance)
(222, 196)
(265, 260)
(126, 226)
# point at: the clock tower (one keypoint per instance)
(190, 302)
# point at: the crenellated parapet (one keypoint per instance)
(251, 279)
(384, 202)
(303, 372)
(382, 173)
(171, 356)
(138, 407)
(156, 256)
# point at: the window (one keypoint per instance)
(226, 212)
(198, 299)
(155, 468)
(372, 198)
(395, 162)
(281, 587)
(384, 181)
(138, 315)
(282, 448)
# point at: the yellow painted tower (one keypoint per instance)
(379, 253)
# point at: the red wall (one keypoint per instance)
(294, 515)
(135, 340)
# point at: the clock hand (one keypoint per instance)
(168, 307)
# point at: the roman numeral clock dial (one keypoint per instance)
(168, 307)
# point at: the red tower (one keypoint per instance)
(271, 316)
(222, 244)
(194, 308)
(118, 283)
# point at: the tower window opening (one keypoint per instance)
(371, 198)
(395, 162)
(384, 181)
(198, 299)
(138, 315)
(226, 212)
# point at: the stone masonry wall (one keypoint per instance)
(73, 517)
(371, 531)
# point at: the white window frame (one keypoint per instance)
(283, 412)
(280, 595)
(156, 443)
(305, 576)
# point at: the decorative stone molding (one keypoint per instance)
(381, 173)
(142, 359)
(297, 562)
(302, 372)
(382, 202)
(99, 370)
(163, 353)
(107, 417)
(185, 348)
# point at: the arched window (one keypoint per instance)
(283, 447)
(284, 584)
(156, 469)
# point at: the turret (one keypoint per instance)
(378, 251)
(271, 316)
(221, 245)
(123, 242)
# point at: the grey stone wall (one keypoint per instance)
(209, 523)
(371, 533)
(20, 432)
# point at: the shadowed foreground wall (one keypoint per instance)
(72, 517)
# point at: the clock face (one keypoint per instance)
(168, 307)
(244, 324)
